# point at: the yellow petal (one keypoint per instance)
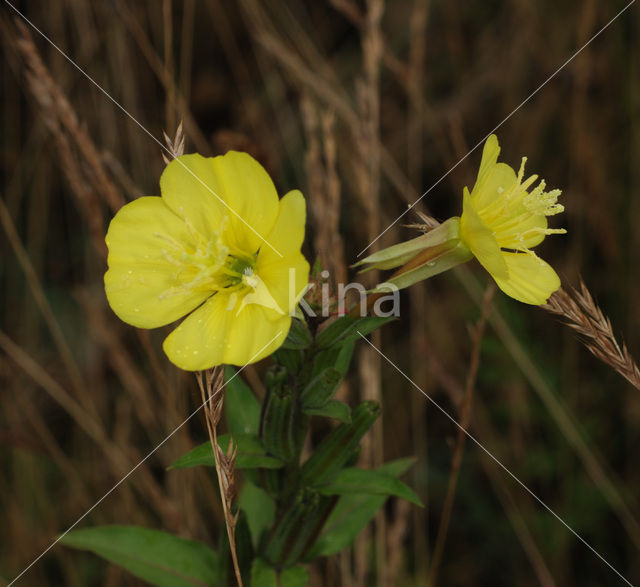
(479, 239)
(285, 280)
(527, 232)
(287, 233)
(490, 153)
(218, 332)
(199, 341)
(531, 280)
(285, 277)
(140, 274)
(192, 189)
(494, 185)
(248, 190)
(253, 336)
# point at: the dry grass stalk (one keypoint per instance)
(211, 383)
(51, 99)
(140, 37)
(477, 333)
(585, 317)
(324, 188)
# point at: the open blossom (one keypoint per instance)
(218, 247)
(503, 219)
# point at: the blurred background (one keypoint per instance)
(364, 106)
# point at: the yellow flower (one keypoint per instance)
(219, 248)
(502, 221)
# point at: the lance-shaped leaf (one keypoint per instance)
(353, 481)
(251, 454)
(320, 389)
(352, 513)
(299, 336)
(338, 447)
(242, 409)
(157, 557)
(259, 508)
(264, 575)
(347, 327)
(334, 409)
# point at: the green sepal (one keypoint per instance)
(432, 264)
(397, 255)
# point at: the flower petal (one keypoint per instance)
(221, 331)
(142, 285)
(490, 153)
(285, 277)
(285, 280)
(287, 233)
(253, 336)
(526, 232)
(480, 240)
(248, 190)
(199, 341)
(191, 188)
(494, 185)
(531, 280)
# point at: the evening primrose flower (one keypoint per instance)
(503, 219)
(218, 247)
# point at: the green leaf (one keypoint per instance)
(321, 388)
(343, 360)
(251, 454)
(263, 575)
(338, 446)
(334, 409)
(242, 409)
(352, 513)
(347, 328)
(294, 577)
(352, 481)
(259, 508)
(157, 557)
(299, 336)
